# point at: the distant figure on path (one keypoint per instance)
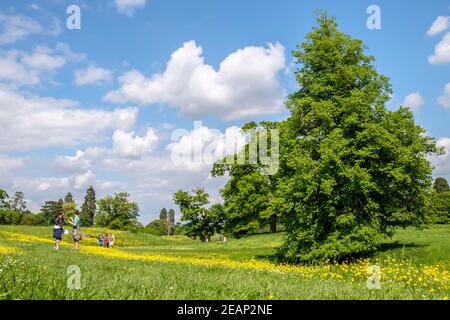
(76, 232)
(100, 240)
(58, 230)
(112, 238)
(106, 241)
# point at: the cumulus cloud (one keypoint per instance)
(32, 122)
(92, 75)
(245, 84)
(203, 146)
(129, 145)
(444, 100)
(413, 101)
(22, 68)
(43, 58)
(128, 7)
(441, 51)
(440, 24)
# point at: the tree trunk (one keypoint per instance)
(273, 223)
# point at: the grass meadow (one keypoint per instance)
(415, 264)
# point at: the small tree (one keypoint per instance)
(163, 214)
(441, 185)
(170, 222)
(69, 209)
(18, 203)
(51, 209)
(88, 208)
(118, 212)
(4, 199)
(193, 208)
(69, 198)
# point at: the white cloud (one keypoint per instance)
(32, 122)
(128, 145)
(444, 100)
(441, 51)
(202, 147)
(69, 55)
(21, 68)
(245, 84)
(17, 27)
(92, 75)
(8, 163)
(441, 163)
(440, 24)
(43, 58)
(13, 70)
(413, 101)
(128, 7)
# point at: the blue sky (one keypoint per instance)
(98, 105)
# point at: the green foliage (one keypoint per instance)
(69, 209)
(249, 193)
(30, 219)
(201, 221)
(68, 198)
(439, 208)
(156, 227)
(18, 203)
(88, 208)
(351, 171)
(4, 199)
(441, 185)
(11, 217)
(163, 214)
(117, 212)
(51, 209)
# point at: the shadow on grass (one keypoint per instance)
(398, 245)
(387, 246)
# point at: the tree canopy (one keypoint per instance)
(351, 171)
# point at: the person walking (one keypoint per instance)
(112, 238)
(76, 232)
(58, 230)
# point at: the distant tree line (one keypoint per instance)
(165, 225)
(114, 212)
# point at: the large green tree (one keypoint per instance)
(88, 208)
(351, 171)
(249, 192)
(118, 212)
(200, 220)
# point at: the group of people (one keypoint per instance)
(106, 240)
(58, 230)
